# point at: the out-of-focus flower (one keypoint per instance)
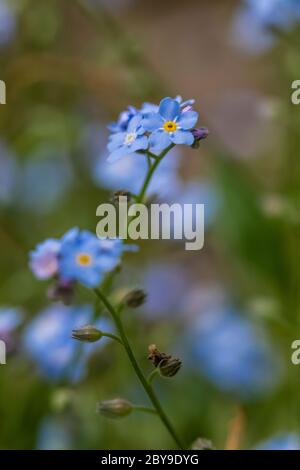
(85, 258)
(124, 143)
(78, 256)
(8, 174)
(198, 192)
(233, 354)
(54, 434)
(45, 180)
(281, 442)
(130, 171)
(44, 259)
(47, 339)
(7, 23)
(170, 125)
(10, 319)
(166, 285)
(253, 23)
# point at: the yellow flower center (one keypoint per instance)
(84, 259)
(129, 138)
(170, 126)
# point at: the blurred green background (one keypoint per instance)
(70, 68)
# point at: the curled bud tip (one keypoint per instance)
(117, 408)
(199, 134)
(87, 333)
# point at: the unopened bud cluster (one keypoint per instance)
(167, 365)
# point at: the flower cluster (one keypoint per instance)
(77, 256)
(154, 128)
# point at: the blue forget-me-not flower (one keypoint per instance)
(170, 125)
(47, 340)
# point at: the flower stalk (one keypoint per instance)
(147, 387)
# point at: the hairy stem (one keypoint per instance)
(152, 168)
(147, 387)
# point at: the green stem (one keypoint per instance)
(114, 337)
(145, 409)
(141, 195)
(147, 387)
(152, 375)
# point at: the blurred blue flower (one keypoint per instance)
(281, 442)
(45, 180)
(170, 125)
(10, 319)
(47, 339)
(53, 434)
(197, 192)
(166, 285)
(233, 354)
(44, 259)
(130, 171)
(85, 258)
(124, 143)
(7, 23)
(9, 173)
(255, 18)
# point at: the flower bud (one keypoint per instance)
(115, 409)
(87, 333)
(167, 365)
(135, 298)
(199, 134)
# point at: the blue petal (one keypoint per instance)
(134, 123)
(182, 137)
(159, 140)
(116, 140)
(119, 153)
(152, 122)
(141, 143)
(188, 119)
(169, 109)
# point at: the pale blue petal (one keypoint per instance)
(169, 109)
(141, 143)
(115, 141)
(188, 119)
(182, 137)
(152, 122)
(159, 140)
(119, 153)
(134, 123)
